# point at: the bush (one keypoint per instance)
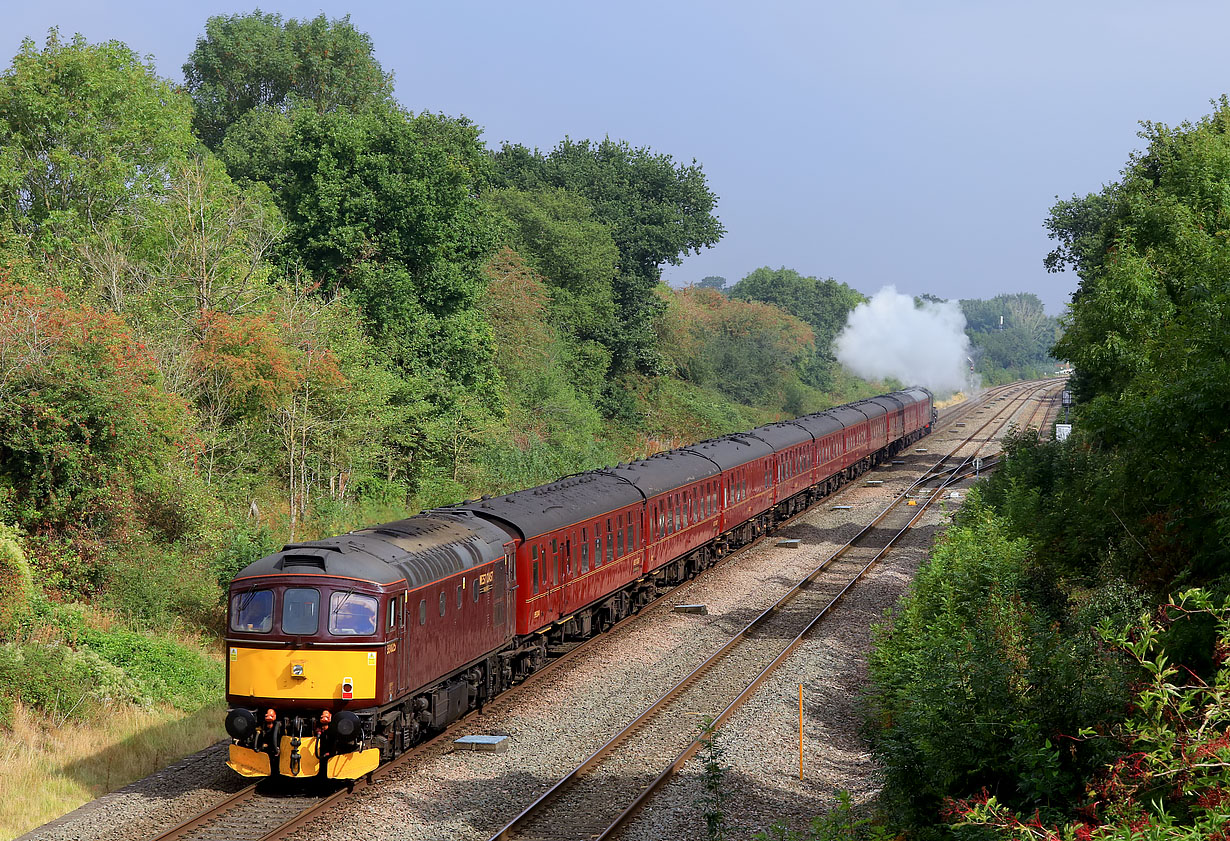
(16, 585)
(167, 671)
(984, 673)
(161, 588)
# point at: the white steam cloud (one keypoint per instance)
(889, 337)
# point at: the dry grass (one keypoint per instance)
(47, 770)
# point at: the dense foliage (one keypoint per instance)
(1012, 337)
(1132, 507)
(822, 304)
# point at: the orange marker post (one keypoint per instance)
(800, 731)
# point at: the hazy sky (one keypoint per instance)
(918, 144)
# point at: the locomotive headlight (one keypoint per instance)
(297, 671)
(347, 687)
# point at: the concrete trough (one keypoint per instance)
(699, 609)
(789, 542)
(842, 507)
(874, 482)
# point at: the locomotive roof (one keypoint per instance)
(915, 393)
(544, 509)
(420, 549)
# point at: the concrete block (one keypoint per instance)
(490, 744)
(700, 609)
(789, 542)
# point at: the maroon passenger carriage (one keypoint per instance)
(345, 651)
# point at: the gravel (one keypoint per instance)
(571, 711)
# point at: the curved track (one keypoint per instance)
(264, 812)
(599, 795)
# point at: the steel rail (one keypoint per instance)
(532, 811)
(239, 799)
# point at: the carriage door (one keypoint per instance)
(499, 594)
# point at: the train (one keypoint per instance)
(344, 652)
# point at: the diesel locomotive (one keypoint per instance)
(343, 652)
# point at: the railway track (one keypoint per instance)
(261, 813)
(597, 797)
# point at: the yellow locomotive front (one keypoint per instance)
(305, 658)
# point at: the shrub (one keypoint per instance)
(982, 676)
(16, 585)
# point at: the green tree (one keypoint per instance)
(1147, 330)
(260, 60)
(712, 282)
(823, 304)
(374, 206)
(86, 131)
(559, 237)
(657, 211)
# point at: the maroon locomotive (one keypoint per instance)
(344, 652)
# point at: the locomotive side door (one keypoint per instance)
(403, 648)
(395, 647)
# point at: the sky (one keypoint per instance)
(905, 143)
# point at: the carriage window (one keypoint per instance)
(422, 611)
(597, 549)
(629, 543)
(300, 611)
(443, 602)
(584, 550)
(535, 576)
(610, 547)
(252, 611)
(351, 614)
(619, 543)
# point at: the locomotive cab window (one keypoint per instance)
(443, 602)
(252, 611)
(422, 611)
(353, 615)
(474, 590)
(300, 611)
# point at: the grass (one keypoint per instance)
(47, 770)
